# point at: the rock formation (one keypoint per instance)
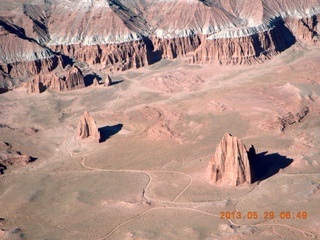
(5, 82)
(108, 81)
(74, 79)
(242, 50)
(118, 56)
(230, 164)
(306, 29)
(95, 82)
(33, 37)
(8, 157)
(87, 128)
(71, 79)
(291, 118)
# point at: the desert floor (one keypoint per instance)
(148, 178)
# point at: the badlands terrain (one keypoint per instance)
(163, 83)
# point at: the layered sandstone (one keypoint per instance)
(248, 48)
(179, 46)
(230, 164)
(114, 56)
(87, 128)
(119, 35)
(21, 55)
(29, 68)
(306, 29)
(70, 80)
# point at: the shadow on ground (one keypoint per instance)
(116, 82)
(264, 165)
(4, 167)
(108, 131)
(32, 159)
(88, 79)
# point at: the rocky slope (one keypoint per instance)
(122, 34)
(9, 156)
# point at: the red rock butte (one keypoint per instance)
(87, 128)
(230, 163)
(70, 80)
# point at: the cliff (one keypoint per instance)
(123, 34)
(117, 56)
(20, 55)
(306, 29)
(70, 79)
(246, 49)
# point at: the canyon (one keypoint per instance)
(45, 36)
(129, 119)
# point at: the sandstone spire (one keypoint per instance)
(71, 78)
(34, 87)
(230, 164)
(108, 81)
(74, 79)
(95, 82)
(87, 128)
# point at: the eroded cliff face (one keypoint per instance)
(244, 50)
(26, 69)
(70, 79)
(124, 34)
(21, 56)
(118, 56)
(306, 29)
(173, 47)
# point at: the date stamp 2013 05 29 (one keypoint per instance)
(264, 215)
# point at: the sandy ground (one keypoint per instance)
(148, 178)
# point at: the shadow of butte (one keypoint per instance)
(116, 82)
(264, 165)
(108, 131)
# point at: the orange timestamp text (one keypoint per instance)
(264, 215)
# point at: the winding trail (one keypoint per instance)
(306, 234)
(152, 209)
(83, 164)
(174, 205)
